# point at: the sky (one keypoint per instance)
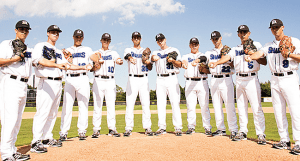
(178, 20)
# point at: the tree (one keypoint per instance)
(265, 89)
(121, 95)
(153, 95)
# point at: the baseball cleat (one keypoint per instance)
(240, 136)
(219, 133)
(207, 131)
(113, 133)
(148, 132)
(160, 132)
(19, 156)
(9, 159)
(178, 132)
(52, 143)
(282, 145)
(190, 131)
(296, 150)
(232, 134)
(127, 133)
(261, 139)
(82, 136)
(63, 137)
(96, 134)
(38, 147)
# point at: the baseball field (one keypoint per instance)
(166, 147)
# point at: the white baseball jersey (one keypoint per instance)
(213, 56)
(193, 71)
(139, 67)
(277, 62)
(37, 55)
(22, 69)
(108, 67)
(161, 64)
(81, 57)
(237, 55)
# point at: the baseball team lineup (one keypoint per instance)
(51, 64)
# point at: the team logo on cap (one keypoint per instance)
(158, 35)
(213, 34)
(55, 27)
(106, 35)
(193, 39)
(242, 27)
(274, 22)
(79, 31)
(24, 22)
(136, 33)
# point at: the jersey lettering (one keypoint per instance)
(239, 53)
(162, 56)
(190, 60)
(109, 57)
(212, 57)
(81, 64)
(136, 55)
(79, 55)
(58, 56)
(273, 50)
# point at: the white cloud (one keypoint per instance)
(127, 9)
(227, 34)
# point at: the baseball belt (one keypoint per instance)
(282, 74)
(22, 79)
(220, 76)
(104, 77)
(165, 75)
(245, 75)
(135, 75)
(196, 79)
(76, 75)
(55, 78)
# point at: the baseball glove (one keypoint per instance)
(49, 54)
(286, 47)
(225, 50)
(248, 46)
(19, 49)
(68, 55)
(146, 55)
(96, 66)
(172, 55)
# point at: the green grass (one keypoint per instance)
(25, 134)
(139, 107)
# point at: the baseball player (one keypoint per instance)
(196, 86)
(222, 89)
(77, 85)
(247, 86)
(137, 84)
(105, 85)
(284, 85)
(48, 61)
(16, 69)
(167, 84)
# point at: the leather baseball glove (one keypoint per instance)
(19, 49)
(225, 50)
(97, 65)
(286, 47)
(68, 55)
(172, 55)
(49, 54)
(249, 47)
(146, 55)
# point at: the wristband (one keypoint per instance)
(289, 55)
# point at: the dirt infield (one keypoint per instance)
(166, 147)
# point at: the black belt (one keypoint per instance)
(282, 74)
(165, 75)
(57, 78)
(104, 77)
(245, 75)
(135, 75)
(220, 76)
(75, 75)
(22, 79)
(196, 79)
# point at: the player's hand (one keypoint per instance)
(155, 58)
(212, 64)
(248, 58)
(132, 60)
(194, 63)
(119, 61)
(184, 65)
(147, 62)
(88, 67)
(61, 66)
(171, 60)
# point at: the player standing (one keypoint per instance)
(105, 85)
(77, 85)
(13, 91)
(167, 84)
(222, 89)
(196, 86)
(137, 84)
(247, 86)
(284, 85)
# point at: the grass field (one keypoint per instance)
(25, 134)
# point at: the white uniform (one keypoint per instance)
(196, 86)
(248, 88)
(13, 93)
(167, 84)
(284, 88)
(48, 93)
(77, 85)
(222, 90)
(105, 85)
(137, 84)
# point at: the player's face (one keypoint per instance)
(136, 40)
(161, 42)
(277, 31)
(53, 35)
(216, 41)
(244, 35)
(194, 47)
(22, 33)
(105, 43)
(77, 40)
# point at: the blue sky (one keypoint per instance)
(178, 20)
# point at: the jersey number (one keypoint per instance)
(111, 69)
(250, 65)
(225, 69)
(285, 63)
(170, 66)
(144, 68)
(82, 64)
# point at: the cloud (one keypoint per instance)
(127, 9)
(227, 34)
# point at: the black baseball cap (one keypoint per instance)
(22, 24)
(78, 32)
(215, 34)
(275, 22)
(159, 36)
(106, 36)
(194, 40)
(136, 34)
(243, 28)
(54, 28)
